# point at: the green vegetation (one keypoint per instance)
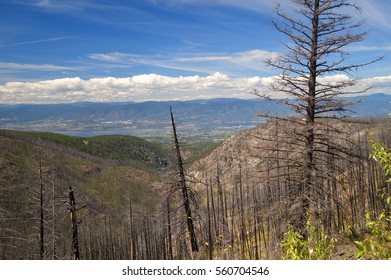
(104, 193)
(383, 156)
(114, 147)
(377, 245)
(376, 241)
(317, 246)
(195, 143)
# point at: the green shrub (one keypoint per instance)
(378, 244)
(318, 246)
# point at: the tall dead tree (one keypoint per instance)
(185, 193)
(75, 224)
(317, 33)
(132, 230)
(41, 214)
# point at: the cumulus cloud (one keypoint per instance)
(136, 88)
(150, 87)
(334, 80)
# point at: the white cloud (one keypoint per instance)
(377, 12)
(36, 67)
(240, 57)
(335, 79)
(234, 64)
(58, 5)
(137, 88)
(367, 48)
(151, 87)
(377, 84)
(261, 6)
(36, 41)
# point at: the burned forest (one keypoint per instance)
(310, 183)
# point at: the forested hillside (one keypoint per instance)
(123, 148)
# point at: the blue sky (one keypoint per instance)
(54, 51)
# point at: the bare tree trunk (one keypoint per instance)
(210, 241)
(310, 123)
(169, 233)
(185, 195)
(41, 216)
(132, 249)
(75, 237)
(54, 248)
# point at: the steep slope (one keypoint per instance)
(104, 194)
(249, 188)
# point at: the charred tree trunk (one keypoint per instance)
(41, 216)
(185, 195)
(132, 242)
(169, 233)
(310, 123)
(54, 248)
(209, 219)
(75, 237)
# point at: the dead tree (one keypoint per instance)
(185, 193)
(317, 35)
(169, 233)
(132, 230)
(41, 214)
(75, 224)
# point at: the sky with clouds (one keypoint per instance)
(61, 51)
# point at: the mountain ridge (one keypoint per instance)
(200, 113)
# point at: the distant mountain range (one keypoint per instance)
(155, 115)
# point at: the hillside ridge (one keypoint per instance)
(192, 114)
